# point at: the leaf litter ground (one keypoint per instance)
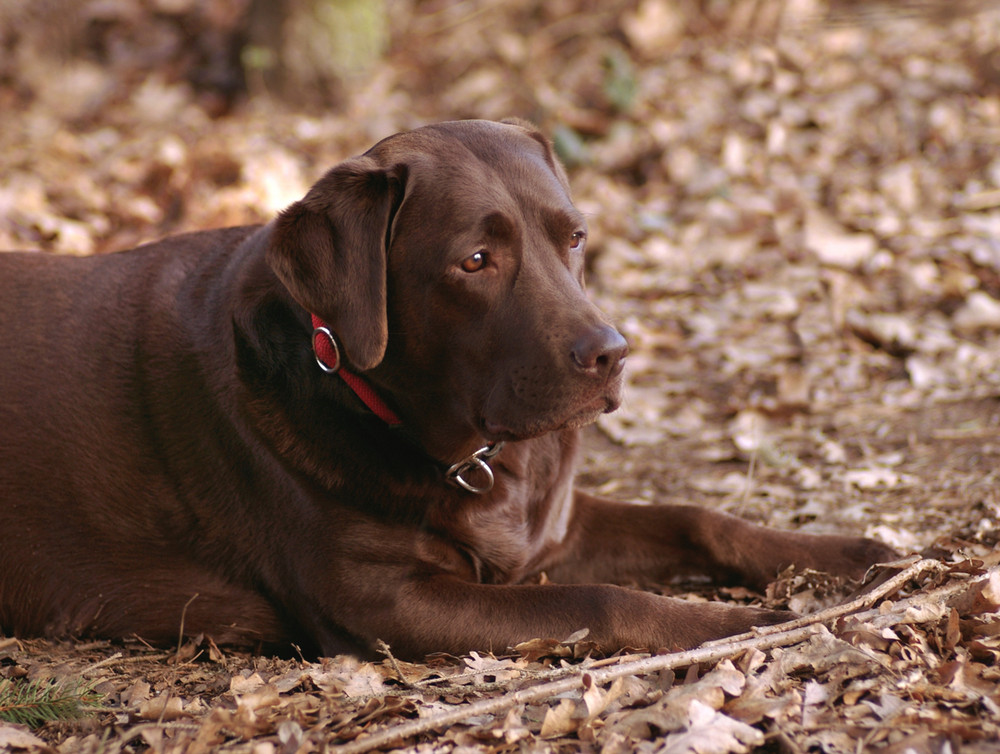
(794, 217)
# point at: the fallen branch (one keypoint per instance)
(117, 659)
(103, 663)
(763, 639)
(135, 732)
(866, 600)
(385, 649)
(546, 690)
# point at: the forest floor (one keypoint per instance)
(795, 219)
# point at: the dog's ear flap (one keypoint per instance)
(329, 250)
(550, 153)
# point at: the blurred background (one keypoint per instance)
(794, 204)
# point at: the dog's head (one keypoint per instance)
(449, 262)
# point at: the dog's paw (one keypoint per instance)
(744, 619)
(849, 556)
(833, 554)
(762, 616)
(869, 552)
(757, 554)
(712, 621)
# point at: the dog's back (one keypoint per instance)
(80, 475)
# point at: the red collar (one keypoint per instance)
(328, 357)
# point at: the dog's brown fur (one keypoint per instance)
(165, 430)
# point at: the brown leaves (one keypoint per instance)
(575, 646)
(901, 672)
(18, 738)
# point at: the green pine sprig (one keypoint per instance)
(34, 703)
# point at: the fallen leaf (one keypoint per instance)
(165, 707)
(365, 680)
(834, 245)
(490, 669)
(876, 477)
(239, 684)
(561, 719)
(17, 737)
(711, 732)
(980, 311)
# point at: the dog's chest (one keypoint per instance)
(510, 540)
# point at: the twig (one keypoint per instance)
(177, 656)
(935, 596)
(832, 613)
(454, 684)
(138, 730)
(106, 661)
(117, 659)
(180, 633)
(384, 649)
(764, 639)
(546, 690)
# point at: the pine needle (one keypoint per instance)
(34, 703)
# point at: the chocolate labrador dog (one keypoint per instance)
(357, 422)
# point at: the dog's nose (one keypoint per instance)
(600, 351)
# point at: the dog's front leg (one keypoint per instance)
(615, 542)
(444, 614)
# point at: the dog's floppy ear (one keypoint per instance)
(329, 250)
(550, 153)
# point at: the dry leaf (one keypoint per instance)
(262, 699)
(18, 737)
(490, 669)
(980, 311)
(834, 245)
(560, 719)
(239, 684)
(365, 680)
(875, 478)
(711, 732)
(165, 707)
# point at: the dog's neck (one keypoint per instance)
(472, 474)
(328, 358)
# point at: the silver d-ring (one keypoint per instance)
(455, 475)
(336, 351)
(456, 472)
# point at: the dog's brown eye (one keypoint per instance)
(576, 242)
(474, 263)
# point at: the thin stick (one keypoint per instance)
(180, 633)
(384, 649)
(138, 730)
(547, 690)
(133, 659)
(832, 613)
(768, 638)
(106, 661)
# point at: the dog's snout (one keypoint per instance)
(600, 351)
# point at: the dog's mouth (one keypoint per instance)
(495, 431)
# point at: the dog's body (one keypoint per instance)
(166, 431)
